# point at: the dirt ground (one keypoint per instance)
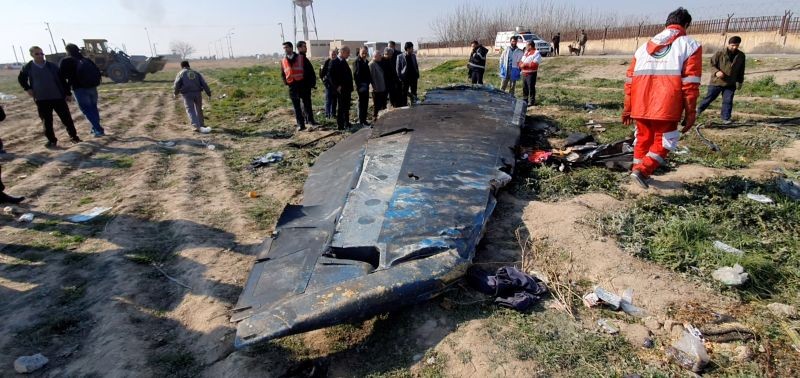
(102, 299)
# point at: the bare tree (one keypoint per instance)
(469, 21)
(184, 49)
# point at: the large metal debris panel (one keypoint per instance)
(390, 215)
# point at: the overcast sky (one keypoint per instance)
(254, 23)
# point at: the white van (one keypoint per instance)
(502, 41)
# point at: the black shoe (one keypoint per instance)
(639, 178)
(75, 139)
(300, 128)
(51, 145)
(5, 198)
(365, 123)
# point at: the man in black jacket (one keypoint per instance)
(556, 42)
(342, 81)
(330, 92)
(408, 72)
(309, 84)
(83, 77)
(293, 75)
(363, 79)
(394, 85)
(477, 62)
(42, 81)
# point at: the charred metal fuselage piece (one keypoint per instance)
(390, 216)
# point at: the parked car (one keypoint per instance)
(502, 41)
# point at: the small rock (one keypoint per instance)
(782, 310)
(652, 323)
(28, 364)
(744, 353)
(648, 343)
(430, 360)
(761, 349)
(27, 217)
(607, 326)
(689, 352)
(8, 210)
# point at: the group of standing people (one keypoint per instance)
(582, 39)
(51, 86)
(515, 64)
(390, 76)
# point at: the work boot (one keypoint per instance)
(51, 145)
(75, 139)
(726, 122)
(640, 179)
(5, 198)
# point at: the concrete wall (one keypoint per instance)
(319, 48)
(752, 42)
(353, 45)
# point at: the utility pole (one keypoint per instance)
(21, 54)
(14, 49)
(230, 42)
(149, 44)
(155, 52)
(283, 39)
(51, 36)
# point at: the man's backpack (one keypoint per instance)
(88, 74)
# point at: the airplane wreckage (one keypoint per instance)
(390, 216)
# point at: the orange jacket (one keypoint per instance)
(663, 79)
(293, 71)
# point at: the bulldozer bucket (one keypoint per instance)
(154, 64)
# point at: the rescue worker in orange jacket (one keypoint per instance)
(662, 85)
(529, 64)
(292, 73)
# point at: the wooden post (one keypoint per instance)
(605, 32)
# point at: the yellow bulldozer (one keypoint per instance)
(116, 64)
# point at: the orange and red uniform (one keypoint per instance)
(662, 85)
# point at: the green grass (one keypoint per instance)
(767, 87)
(738, 148)
(557, 345)
(178, 363)
(148, 256)
(115, 161)
(678, 232)
(264, 212)
(548, 184)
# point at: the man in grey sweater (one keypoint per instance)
(42, 81)
(191, 85)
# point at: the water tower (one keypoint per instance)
(303, 5)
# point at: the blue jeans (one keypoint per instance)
(193, 102)
(727, 100)
(330, 102)
(87, 101)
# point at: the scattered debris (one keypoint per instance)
(689, 351)
(88, 215)
(537, 156)
(22, 177)
(8, 210)
(760, 198)
(266, 160)
(211, 147)
(724, 333)
(607, 326)
(782, 310)
(616, 156)
(6, 97)
(253, 194)
(720, 246)
(589, 106)
(608, 298)
(789, 188)
(731, 276)
(511, 287)
(682, 151)
(648, 343)
(27, 217)
(601, 296)
(167, 144)
(29, 364)
(713, 146)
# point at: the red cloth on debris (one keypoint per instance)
(539, 156)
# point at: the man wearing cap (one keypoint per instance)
(727, 66)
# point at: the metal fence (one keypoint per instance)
(782, 25)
